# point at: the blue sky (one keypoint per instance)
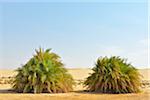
(79, 32)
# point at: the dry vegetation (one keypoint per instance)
(79, 75)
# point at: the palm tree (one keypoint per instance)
(44, 72)
(113, 75)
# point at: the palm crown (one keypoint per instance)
(113, 75)
(43, 73)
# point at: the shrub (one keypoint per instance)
(113, 75)
(44, 72)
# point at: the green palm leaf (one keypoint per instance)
(43, 73)
(113, 75)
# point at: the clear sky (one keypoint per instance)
(79, 32)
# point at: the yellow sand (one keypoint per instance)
(77, 94)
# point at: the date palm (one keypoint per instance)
(113, 75)
(44, 72)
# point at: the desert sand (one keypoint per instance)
(78, 93)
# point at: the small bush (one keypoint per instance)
(44, 72)
(113, 75)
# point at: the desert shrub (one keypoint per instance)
(113, 75)
(44, 72)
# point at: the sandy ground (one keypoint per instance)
(77, 94)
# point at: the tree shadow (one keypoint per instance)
(88, 92)
(6, 91)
